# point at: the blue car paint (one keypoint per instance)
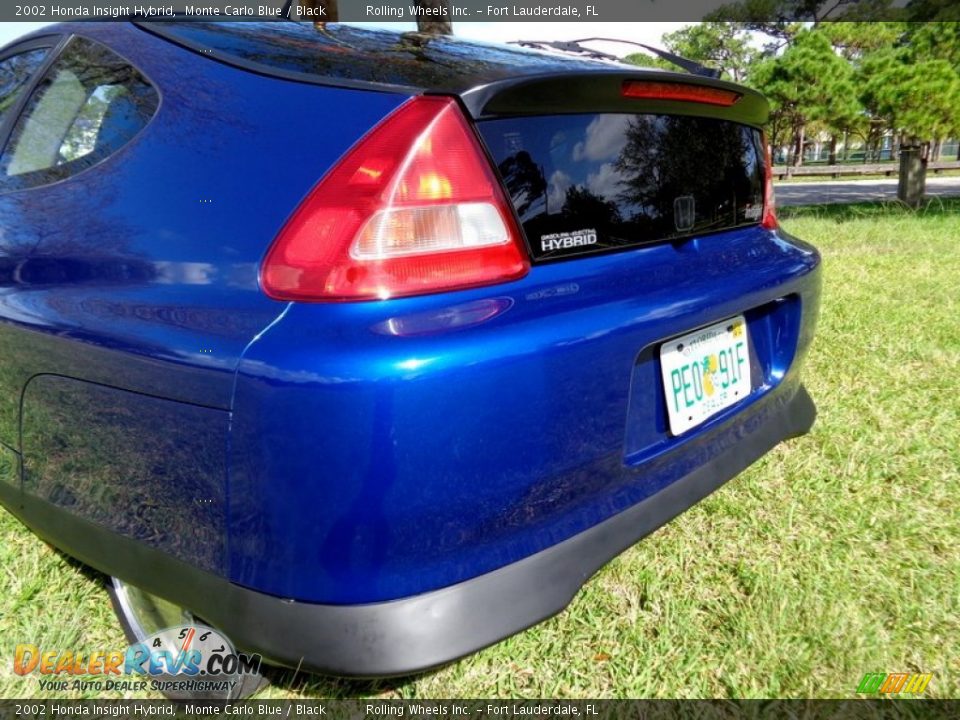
(140, 274)
(373, 450)
(89, 448)
(368, 465)
(150, 259)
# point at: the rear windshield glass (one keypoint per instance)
(588, 183)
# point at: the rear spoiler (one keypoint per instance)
(606, 91)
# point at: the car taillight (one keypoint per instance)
(769, 219)
(655, 90)
(414, 207)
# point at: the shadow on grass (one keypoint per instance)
(308, 685)
(91, 574)
(840, 213)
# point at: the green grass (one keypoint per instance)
(833, 556)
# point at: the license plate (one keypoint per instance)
(705, 372)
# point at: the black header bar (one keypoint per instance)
(457, 10)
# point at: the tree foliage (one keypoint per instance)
(843, 77)
(911, 92)
(809, 84)
(721, 45)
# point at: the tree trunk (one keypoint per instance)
(832, 159)
(937, 149)
(798, 147)
(846, 145)
(330, 11)
(913, 175)
(435, 24)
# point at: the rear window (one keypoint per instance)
(589, 183)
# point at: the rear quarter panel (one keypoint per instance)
(138, 288)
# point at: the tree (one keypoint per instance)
(644, 60)
(935, 40)
(329, 7)
(785, 19)
(916, 96)
(932, 11)
(428, 23)
(434, 24)
(721, 45)
(847, 76)
(524, 181)
(807, 83)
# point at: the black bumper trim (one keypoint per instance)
(414, 633)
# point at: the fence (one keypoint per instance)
(835, 171)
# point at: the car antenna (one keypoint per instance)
(576, 47)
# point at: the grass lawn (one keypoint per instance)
(835, 555)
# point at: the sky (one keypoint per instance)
(648, 33)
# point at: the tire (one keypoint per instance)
(143, 615)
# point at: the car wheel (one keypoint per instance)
(143, 615)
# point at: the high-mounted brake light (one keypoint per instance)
(769, 219)
(414, 207)
(684, 92)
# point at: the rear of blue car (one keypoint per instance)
(466, 400)
(521, 321)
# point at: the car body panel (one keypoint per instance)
(426, 630)
(427, 455)
(364, 57)
(140, 273)
(147, 468)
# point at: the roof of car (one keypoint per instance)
(339, 52)
(490, 79)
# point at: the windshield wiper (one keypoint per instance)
(576, 47)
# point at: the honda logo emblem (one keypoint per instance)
(684, 212)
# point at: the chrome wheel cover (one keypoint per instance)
(148, 614)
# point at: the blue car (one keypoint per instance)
(369, 348)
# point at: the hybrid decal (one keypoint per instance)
(567, 240)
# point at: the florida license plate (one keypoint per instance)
(705, 372)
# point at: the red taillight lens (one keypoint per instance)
(769, 219)
(650, 90)
(412, 208)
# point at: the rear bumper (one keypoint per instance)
(385, 450)
(422, 631)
